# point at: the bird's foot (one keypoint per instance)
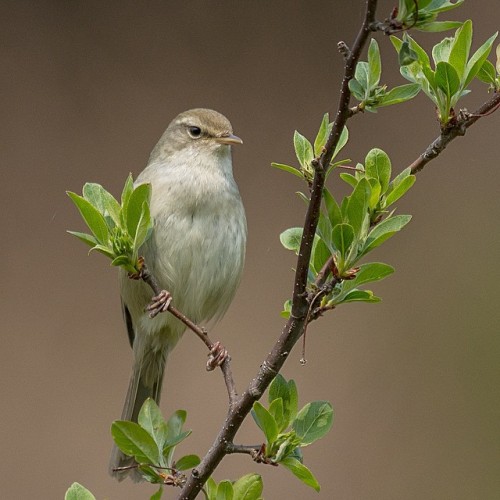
(159, 303)
(217, 355)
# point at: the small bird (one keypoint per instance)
(196, 250)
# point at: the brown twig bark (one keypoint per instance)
(458, 128)
(295, 325)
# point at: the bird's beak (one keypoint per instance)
(229, 139)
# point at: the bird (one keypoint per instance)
(196, 250)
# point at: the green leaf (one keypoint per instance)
(303, 150)
(399, 190)
(447, 79)
(323, 133)
(342, 238)
(86, 238)
(77, 492)
(135, 441)
(374, 64)
(441, 51)
(360, 296)
(372, 271)
(399, 94)
(225, 491)
(320, 252)
(313, 421)
(406, 55)
(157, 495)
(265, 421)
(356, 89)
(300, 471)
(291, 238)
(361, 74)
(357, 206)
(135, 208)
(248, 487)
(344, 137)
(104, 201)
(108, 252)
(378, 166)
(276, 410)
(438, 26)
(332, 208)
(349, 178)
(292, 405)
(187, 462)
(92, 217)
(144, 229)
(477, 60)
(125, 262)
(384, 230)
(278, 389)
(497, 65)
(151, 420)
(174, 433)
(288, 168)
(211, 489)
(487, 73)
(460, 48)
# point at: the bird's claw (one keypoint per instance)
(159, 303)
(218, 354)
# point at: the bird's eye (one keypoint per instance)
(194, 132)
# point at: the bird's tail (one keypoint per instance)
(145, 382)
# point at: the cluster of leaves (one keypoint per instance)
(118, 230)
(365, 84)
(288, 430)
(248, 487)
(152, 441)
(422, 14)
(453, 72)
(351, 229)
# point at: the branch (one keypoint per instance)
(225, 367)
(458, 128)
(297, 321)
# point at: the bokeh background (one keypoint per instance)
(86, 90)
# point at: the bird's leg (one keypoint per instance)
(217, 355)
(159, 303)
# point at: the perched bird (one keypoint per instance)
(196, 250)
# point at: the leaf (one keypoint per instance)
(384, 230)
(187, 462)
(374, 64)
(144, 229)
(360, 296)
(372, 271)
(303, 150)
(497, 65)
(378, 166)
(323, 133)
(349, 178)
(342, 238)
(151, 420)
(313, 421)
(294, 399)
(477, 60)
(225, 491)
(104, 250)
(447, 79)
(487, 73)
(291, 238)
(344, 137)
(248, 487)
(174, 433)
(406, 55)
(86, 238)
(92, 217)
(135, 208)
(133, 440)
(77, 492)
(276, 410)
(265, 421)
(320, 253)
(399, 190)
(157, 495)
(356, 89)
(288, 168)
(399, 94)
(460, 49)
(361, 75)
(441, 51)
(300, 471)
(211, 488)
(357, 206)
(438, 26)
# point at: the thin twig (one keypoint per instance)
(147, 277)
(458, 128)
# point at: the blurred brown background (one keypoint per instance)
(87, 88)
